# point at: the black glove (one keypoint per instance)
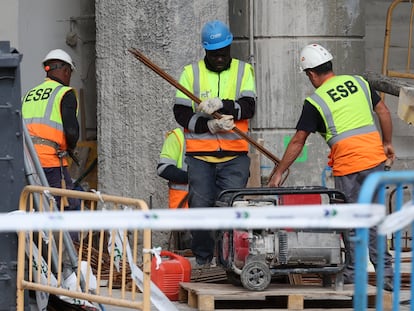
(73, 156)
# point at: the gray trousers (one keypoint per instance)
(350, 185)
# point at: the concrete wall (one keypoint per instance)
(9, 21)
(403, 138)
(44, 25)
(281, 29)
(134, 104)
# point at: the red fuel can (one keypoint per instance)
(172, 270)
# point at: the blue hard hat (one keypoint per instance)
(215, 35)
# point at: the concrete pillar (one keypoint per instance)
(281, 30)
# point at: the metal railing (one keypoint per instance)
(387, 43)
(41, 268)
(376, 188)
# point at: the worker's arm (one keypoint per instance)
(172, 151)
(70, 123)
(293, 150)
(385, 121)
(172, 173)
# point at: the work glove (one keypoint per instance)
(210, 105)
(226, 123)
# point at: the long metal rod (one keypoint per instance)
(143, 59)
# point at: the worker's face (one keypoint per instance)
(219, 59)
(67, 74)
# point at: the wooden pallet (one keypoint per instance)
(209, 296)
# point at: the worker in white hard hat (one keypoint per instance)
(49, 111)
(216, 156)
(340, 109)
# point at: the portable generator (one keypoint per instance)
(253, 257)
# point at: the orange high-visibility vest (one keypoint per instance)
(233, 83)
(173, 153)
(42, 116)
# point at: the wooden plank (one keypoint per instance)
(295, 302)
(295, 279)
(406, 105)
(206, 303)
(205, 296)
(182, 295)
(386, 301)
(192, 299)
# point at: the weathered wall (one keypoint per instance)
(281, 30)
(9, 22)
(403, 138)
(44, 25)
(134, 104)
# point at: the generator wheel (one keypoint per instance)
(256, 276)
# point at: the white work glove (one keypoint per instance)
(226, 123)
(210, 105)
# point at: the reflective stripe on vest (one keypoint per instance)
(332, 136)
(42, 116)
(174, 186)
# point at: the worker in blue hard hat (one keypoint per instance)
(216, 156)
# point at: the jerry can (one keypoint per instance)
(172, 270)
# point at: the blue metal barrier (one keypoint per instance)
(375, 189)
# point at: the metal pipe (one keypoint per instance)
(146, 61)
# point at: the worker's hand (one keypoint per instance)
(226, 123)
(210, 105)
(74, 157)
(389, 152)
(275, 180)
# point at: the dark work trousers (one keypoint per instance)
(206, 180)
(350, 185)
(54, 179)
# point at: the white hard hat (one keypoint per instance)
(60, 55)
(313, 55)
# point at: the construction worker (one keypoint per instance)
(173, 168)
(216, 156)
(341, 111)
(49, 111)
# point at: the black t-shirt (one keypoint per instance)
(311, 121)
(68, 107)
